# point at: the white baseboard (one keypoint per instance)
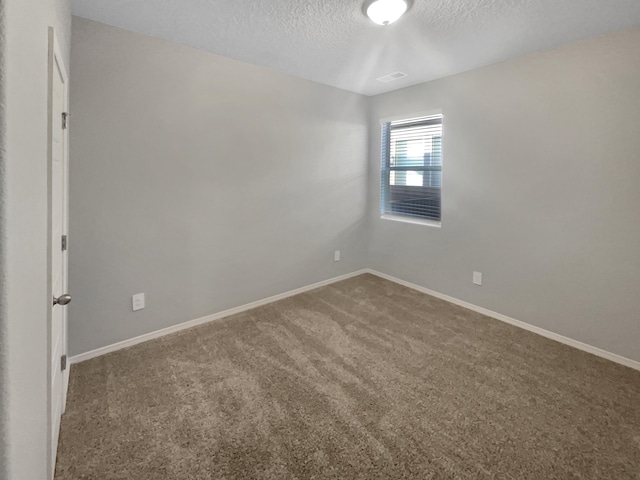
(209, 318)
(512, 321)
(232, 311)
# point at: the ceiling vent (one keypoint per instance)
(391, 77)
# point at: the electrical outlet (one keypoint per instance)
(477, 278)
(137, 302)
(336, 256)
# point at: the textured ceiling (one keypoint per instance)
(332, 42)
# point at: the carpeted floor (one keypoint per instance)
(363, 379)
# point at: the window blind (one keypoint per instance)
(412, 168)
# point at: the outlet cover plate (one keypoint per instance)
(137, 302)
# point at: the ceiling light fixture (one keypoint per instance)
(385, 12)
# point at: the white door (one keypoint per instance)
(58, 158)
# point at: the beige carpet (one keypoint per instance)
(363, 379)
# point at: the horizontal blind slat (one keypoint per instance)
(412, 167)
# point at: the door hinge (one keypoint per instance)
(65, 119)
(64, 243)
(63, 363)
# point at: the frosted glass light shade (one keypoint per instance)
(384, 12)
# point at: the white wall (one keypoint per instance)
(541, 191)
(25, 298)
(204, 182)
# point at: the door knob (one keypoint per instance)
(62, 299)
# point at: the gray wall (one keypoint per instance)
(541, 191)
(24, 295)
(204, 182)
(209, 183)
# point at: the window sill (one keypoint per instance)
(416, 221)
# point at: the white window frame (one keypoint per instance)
(402, 218)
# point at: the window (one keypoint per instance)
(412, 168)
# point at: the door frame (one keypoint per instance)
(55, 57)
